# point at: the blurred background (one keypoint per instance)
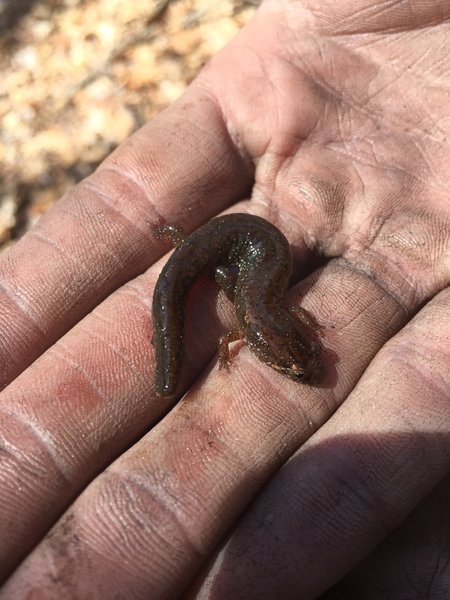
(79, 76)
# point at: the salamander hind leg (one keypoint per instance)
(170, 233)
(227, 278)
(305, 318)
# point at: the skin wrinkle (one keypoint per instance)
(401, 128)
(263, 80)
(77, 212)
(103, 198)
(214, 445)
(391, 85)
(344, 123)
(429, 75)
(422, 58)
(125, 178)
(9, 484)
(376, 225)
(391, 322)
(128, 566)
(275, 92)
(424, 161)
(297, 414)
(346, 21)
(409, 241)
(323, 85)
(412, 252)
(13, 451)
(60, 449)
(319, 193)
(264, 414)
(236, 141)
(17, 298)
(118, 259)
(403, 72)
(112, 167)
(134, 176)
(345, 106)
(367, 500)
(418, 435)
(404, 353)
(54, 244)
(166, 504)
(231, 131)
(66, 255)
(350, 486)
(36, 467)
(126, 359)
(368, 273)
(377, 10)
(142, 565)
(65, 355)
(442, 141)
(114, 504)
(205, 132)
(358, 316)
(364, 110)
(107, 245)
(395, 169)
(440, 66)
(136, 290)
(265, 77)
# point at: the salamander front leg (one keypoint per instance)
(309, 323)
(224, 352)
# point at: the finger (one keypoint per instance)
(355, 480)
(412, 562)
(100, 234)
(81, 405)
(168, 501)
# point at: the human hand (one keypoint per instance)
(339, 119)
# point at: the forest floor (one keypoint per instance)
(77, 77)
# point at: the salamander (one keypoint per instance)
(252, 261)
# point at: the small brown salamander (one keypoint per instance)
(252, 262)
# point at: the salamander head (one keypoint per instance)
(289, 353)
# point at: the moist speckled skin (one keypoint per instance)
(253, 264)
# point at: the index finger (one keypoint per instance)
(100, 234)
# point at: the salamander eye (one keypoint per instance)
(293, 371)
(297, 372)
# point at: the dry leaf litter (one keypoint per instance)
(79, 76)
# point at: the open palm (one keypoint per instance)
(331, 120)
